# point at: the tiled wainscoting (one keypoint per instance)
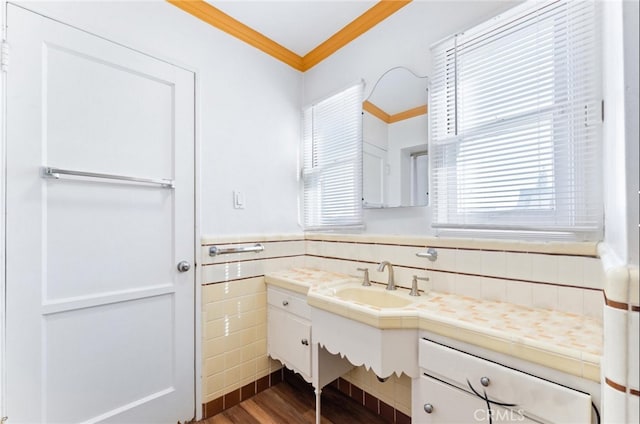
(234, 327)
(559, 276)
(621, 388)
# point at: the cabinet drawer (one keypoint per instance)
(289, 340)
(292, 302)
(540, 398)
(436, 402)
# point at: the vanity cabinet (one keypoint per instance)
(289, 330)
(455, 386)
(439, 402)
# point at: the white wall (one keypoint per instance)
(631, 35)
(620, 128)
(402, 39)
(2, 228)
(248, 108)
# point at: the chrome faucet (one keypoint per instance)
(391, 284)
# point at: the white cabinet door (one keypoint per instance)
(289, 339)
(100, 322)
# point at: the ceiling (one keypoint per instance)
(299, 33)
(300, 26)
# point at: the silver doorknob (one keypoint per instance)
(428, 408)
(184, 266)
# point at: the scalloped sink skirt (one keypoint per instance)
(385, 351)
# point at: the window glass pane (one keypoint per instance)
(332, 150)
(515, 122)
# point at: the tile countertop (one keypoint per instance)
(567, 342)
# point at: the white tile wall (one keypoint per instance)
(469, 261)
(494, 263)
(633, 408)
(545, 296)
(614, 409)
(493, 289)
(615, 345)
(546, 277)
(544, 268)
(519, 266)
(571, 299)
(633, 373)
(520, 293)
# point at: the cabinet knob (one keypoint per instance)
(285, 302)
(485, 381)
(428, 408)
(305, 342)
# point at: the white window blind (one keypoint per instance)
(515, 115)
(332, 161)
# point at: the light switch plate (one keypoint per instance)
(238, 199)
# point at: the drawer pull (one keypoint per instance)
(428, 408)
(485, 381)
(285, 302)
(305, 342)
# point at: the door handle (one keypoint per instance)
(184, 266)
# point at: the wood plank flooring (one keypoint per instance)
(293, 403)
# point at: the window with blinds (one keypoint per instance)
(332, 161)
(515, 115)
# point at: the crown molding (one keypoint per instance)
(408, 114)
(363, 23)
(390, 119)
(217, 18)
(376, 111)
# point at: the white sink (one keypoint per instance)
(373, 297)
(366, 324)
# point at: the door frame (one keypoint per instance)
(3, 179)
(197, 366)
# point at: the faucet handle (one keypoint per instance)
(431, 254)
(414, 285)
(365, 280)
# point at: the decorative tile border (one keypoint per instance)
(588, 249)
(350, 390)
(369, 401)
(372, 403)
(236, 396)
(621, 388)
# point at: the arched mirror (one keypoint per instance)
(395, 156)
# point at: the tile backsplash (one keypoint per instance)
(559, 276)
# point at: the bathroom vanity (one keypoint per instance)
(290, 340)
(467, 358)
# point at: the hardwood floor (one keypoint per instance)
(294, 403)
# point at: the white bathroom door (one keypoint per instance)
(100, 321)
